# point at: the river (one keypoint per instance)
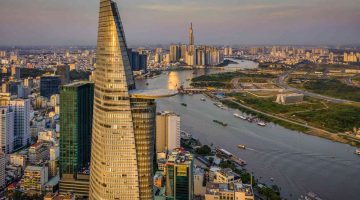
(296, 162)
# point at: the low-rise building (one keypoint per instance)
(229, 191)
(18, 160)
(38, 152)
(289, 98)
(34, 179)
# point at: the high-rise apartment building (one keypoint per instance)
(167, 131)
(123, 131)
(49, 85)
(2, 170)
(22, 135)
(76, 103)
(6, 129)
(179, 175)
(175, 53)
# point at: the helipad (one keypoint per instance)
(152, 94)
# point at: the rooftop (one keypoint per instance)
(77, 84)
(152, 94)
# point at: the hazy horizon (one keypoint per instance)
(161, 22)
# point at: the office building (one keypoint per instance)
(123, 131)
(167, 131)
(22, 135)
(138, 61)
(49, 85)
(76, 103)
(34, 180)
(2, 170)
(179, 175)
(7, 129)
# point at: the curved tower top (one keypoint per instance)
(114, 165)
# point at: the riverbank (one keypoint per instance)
(287, 123)
(206, 154)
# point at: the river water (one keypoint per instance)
(296, 162)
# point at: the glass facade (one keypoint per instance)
(76, 103)
(49, 85)
(123, 128)
(143, 112)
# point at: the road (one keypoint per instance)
(282, 83)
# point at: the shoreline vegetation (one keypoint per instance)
(313, 116)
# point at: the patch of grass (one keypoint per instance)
(333, 88)
(338, 117)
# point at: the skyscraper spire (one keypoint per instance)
(191, 35)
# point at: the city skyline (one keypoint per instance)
(164, 22)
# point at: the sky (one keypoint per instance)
(218, 22)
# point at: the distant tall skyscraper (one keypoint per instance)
(76, 107)
(122, 150)
(191, 35)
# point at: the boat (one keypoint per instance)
(357, 152)
(261, 124)
(184, 104)
(203, 99)
(239, 116)
(241, 146)
(221, 123)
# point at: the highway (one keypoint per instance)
(282, 83)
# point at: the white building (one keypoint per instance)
(6, 130)
(199, 187)
(289, 98)
(46, 136)
(54, 152)
(22, 132)
(167, 131)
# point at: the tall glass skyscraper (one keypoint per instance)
(76, 107)
(124, 119)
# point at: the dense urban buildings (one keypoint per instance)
(74, 125)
